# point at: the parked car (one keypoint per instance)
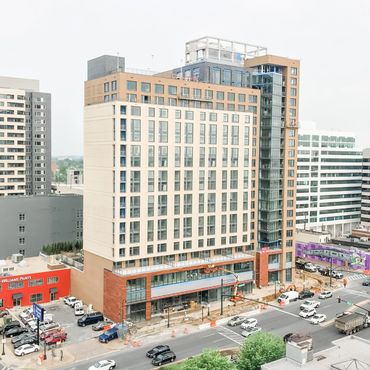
(309, 304)
(320, 268)
(319, 317)
(70, 301)
(17, 330)
(26, 340)
(10, 325)
(236, 320)
(164, 358)
(325, 294)
(45, 328)
(337, 274)
(26, 313)
(90, 318)
(22, 336)
(366, 283)
(305, 294)
(158, 350)
(290, 296)
(310, 267)
(109, 335)
(249, 323)
(287, 337)
(307, 312)
(56, 338)
(79, 309)
(50, 332)
(4, 313)
(250, 331)
(103, 365)
(101, 325)
(26, 349)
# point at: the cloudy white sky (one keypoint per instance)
(52, 40)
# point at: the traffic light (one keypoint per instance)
(339, 299)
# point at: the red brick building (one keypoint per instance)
(33, 280)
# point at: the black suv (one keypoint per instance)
(157, 350)
(305, 294)
(366, 283)
(164, 358)
(17, 330)
(90, 318)
(9, 326)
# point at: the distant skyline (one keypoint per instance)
(52, 41)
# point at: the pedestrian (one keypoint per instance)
(61, 355)
(345, 282)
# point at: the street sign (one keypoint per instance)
(38, 311)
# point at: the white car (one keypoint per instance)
(325, 294)
(319, 317)
(249, 323)
(26, 349)
(251, 331)
(70, 301)
(309, 304)
(79, 309)
(103, 365)
(307, 312)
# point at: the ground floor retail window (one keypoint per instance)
(135, 312)
(274, 276)
(36, 297)
(53, 296)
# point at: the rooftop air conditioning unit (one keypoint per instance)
(17, 257)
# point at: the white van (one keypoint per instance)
(287, 297)
(79, 309)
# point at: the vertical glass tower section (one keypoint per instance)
(270, 176)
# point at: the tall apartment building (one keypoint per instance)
(25, 138)
(178, 177)
(329, 181)
(365, 195)
(232, 63)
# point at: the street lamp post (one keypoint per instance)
(276, 282)
(208, 306)
(202, 312)
(3, 341)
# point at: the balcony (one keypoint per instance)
(182, 264)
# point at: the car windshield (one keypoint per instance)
(97, 364)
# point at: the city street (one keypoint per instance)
(277, 321)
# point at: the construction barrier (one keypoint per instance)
(173, 335)
(263, 307)
(186, 331)
(213, 323)
(127, 339)
(136, 343)
(282, 303)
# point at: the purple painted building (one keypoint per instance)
(351, 257)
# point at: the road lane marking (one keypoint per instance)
(230, 334)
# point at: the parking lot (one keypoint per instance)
(64, 315)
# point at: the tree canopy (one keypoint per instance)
(260, 349)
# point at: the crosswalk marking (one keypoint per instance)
(353, 277)
(231, 335)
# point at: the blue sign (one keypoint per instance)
(38, 311)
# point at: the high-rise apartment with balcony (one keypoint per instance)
(328, 181)
(181, 173)
(25, 138)
(231, 63)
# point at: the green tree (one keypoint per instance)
(260, 349)
(208, 360)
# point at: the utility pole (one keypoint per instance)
(222, 297)
(331, 269)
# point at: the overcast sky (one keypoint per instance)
(52, 40)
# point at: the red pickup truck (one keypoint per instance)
(54, 339)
